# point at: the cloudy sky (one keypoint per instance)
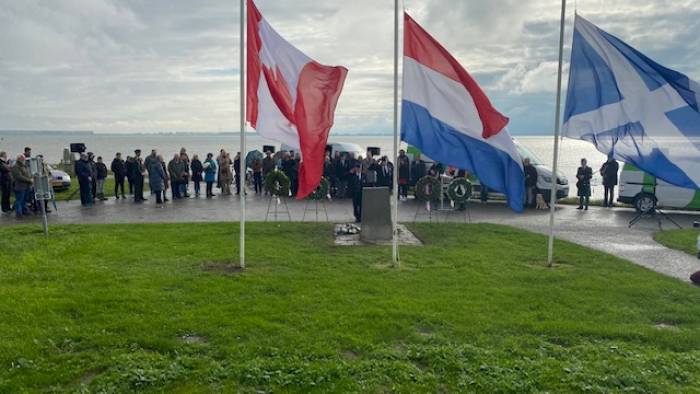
(172, 65)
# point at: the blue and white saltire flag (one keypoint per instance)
(633, 108)
(447, 116)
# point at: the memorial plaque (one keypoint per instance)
(376, 215)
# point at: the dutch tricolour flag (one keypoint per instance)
(449, 118)
(633, 108)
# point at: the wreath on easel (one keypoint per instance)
(277, 183)
(321, 191)
(428, 188)
(459, 190)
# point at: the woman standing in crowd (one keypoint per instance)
(404, 174)
(210, 170)
(196, 168)
(257, 175)
(157, 179)
(225, 175)
(166, 182)
(584, 175)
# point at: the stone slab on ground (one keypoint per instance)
(406, 237)
(376, 215)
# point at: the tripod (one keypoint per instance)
(653, 211)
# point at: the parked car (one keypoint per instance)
(544, 175)
(645, 192)
(60, 180)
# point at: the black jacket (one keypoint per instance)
(132, 169)
(530, 176)
(289, 167)
(197, 169)
(101, 170)
(609, 172)
(404, 168)
(355, 185)
(5, 177)
(584, 176)
(82, 170)
(417, 171)
(118, 167)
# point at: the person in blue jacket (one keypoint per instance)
(210, 174)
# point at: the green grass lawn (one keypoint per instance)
(105, 308)
(72, 193)
(684, 240)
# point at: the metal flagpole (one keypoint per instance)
(242, 166)
(395, 182)
(553, 190)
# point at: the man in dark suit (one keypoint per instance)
(118, 168)
(355, 183)
(609, 172)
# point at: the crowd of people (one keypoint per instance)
(347, 175)
(16, 176)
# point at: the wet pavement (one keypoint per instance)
(599, 228)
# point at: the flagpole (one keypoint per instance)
(395, 181)
(242, 165)
(553, 189)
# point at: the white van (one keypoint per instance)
(636, 188)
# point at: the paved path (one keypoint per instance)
(599, 228)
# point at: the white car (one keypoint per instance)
(645, 192)
(60, 180)
(544, 175)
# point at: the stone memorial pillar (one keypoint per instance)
(376, 215)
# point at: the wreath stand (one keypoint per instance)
(277, 202)
(315, 208)
(277, 184)
(459, 191)
(426, 188)
(425, 211)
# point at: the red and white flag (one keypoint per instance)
(290, 97)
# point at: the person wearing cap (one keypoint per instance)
(139, 173)
(355, 182)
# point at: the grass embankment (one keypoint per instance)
(131, 307)
(684, 240)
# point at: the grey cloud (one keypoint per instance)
(167, 65)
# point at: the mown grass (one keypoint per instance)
(684, 240)
(104, 308)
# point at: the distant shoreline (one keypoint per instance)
(196, 133)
